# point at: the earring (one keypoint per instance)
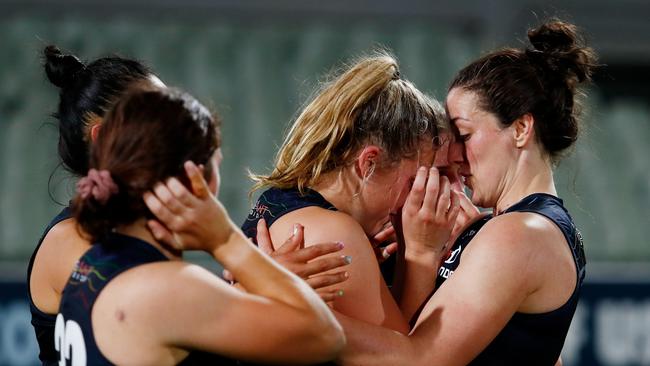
(364, 180)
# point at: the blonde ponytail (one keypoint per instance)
(366, 102)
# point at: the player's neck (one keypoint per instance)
(530, 177)
(138, 229)
(337, 189)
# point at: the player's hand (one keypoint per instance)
(386, 235)
(309, 263)
(429, 213)
(467, 214)
(186, 220)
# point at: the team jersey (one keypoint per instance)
(275, 202)
(43, 323)
(449, 265)
(73, 336)
(528, 339)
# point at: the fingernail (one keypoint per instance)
(385, 254)
(339, 293)
(340, 245)
(295, 229)
(347, 259)
(346, 274)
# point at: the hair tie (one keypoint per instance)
(99, 184)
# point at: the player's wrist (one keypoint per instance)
(425, 256)
(231, 247)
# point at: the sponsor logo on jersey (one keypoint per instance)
(454, 255)
(445, 272)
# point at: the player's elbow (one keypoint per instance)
(328, 339)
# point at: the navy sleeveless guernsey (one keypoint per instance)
(43, 323)
(529, 339)
(276, 202)
(449, 265)
(103, 262)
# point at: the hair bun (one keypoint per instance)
(554, 36)
(559, 46)
(59, 68)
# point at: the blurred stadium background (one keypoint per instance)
(255, 62)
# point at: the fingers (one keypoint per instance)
(227, 275)
(466, 205)
(317, 250)
(444, 200)
(416, 195)
(264, 237)
(454, 207)
(164, 194)
(163, 235)
(389, 250)
(325, 280)
(384, 235)
(295, 241)
(180, 192)
(164, 215)
(383, 253)
(329, 295)
(198, 183)
(323, 265)
(431, 195)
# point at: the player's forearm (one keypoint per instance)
(260, 275)
(419, 276)
(412, 279)
(369, 344)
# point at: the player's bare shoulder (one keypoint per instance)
(320, 225)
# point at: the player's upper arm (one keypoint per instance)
(496, 274)
(185, 306)
(365, 294)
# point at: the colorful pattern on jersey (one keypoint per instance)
(275, 202)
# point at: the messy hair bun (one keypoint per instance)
(558, 46)
(60, 68)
